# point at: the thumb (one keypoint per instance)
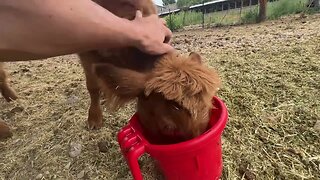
(138, 14)
(164, 22)
(165, 48)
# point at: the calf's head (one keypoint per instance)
(175, 97)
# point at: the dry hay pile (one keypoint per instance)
(271, 76)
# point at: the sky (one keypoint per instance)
(158, 2)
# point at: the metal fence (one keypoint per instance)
(218, 12)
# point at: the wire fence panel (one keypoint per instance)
(217, 12)
(227, 12)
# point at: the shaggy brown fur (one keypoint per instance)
(184, 81)
(173, 97)
(190, 84)
(126, 58)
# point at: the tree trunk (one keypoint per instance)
(262, 10)
(314, 3)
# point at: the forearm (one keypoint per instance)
(38, 29)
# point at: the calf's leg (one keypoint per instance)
(95, 112)
(7, 92)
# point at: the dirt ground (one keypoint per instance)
(271, 84)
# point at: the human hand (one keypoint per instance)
(152, 35)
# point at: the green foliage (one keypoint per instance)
(166, 2)
(313, 10)
(174, 22)
(251, 16)
(183, 18)
(285, 7)
(191, 17)
(276, 9)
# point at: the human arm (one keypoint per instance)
(35, 29)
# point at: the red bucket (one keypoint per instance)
(196, 159)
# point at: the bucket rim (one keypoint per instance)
(213, 132)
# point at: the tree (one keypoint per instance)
(314, 3)
(262, 10)
(167, 2)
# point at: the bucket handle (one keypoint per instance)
(132, 147)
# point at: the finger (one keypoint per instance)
(138, 14)
(162, 49)
(166, 48)
(168, 33)
(163, 21)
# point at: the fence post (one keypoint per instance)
(184, 18)
(241, 8)
(202, 13)
(170, 19)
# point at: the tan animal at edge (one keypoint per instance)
(7, 92)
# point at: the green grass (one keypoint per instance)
(285, 7)
(277, 9)
(251, 15)
(248, 14)
(174, 22)
(178, 20)
(181, 19)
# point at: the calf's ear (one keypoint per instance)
(122, 82)
(195, 57)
